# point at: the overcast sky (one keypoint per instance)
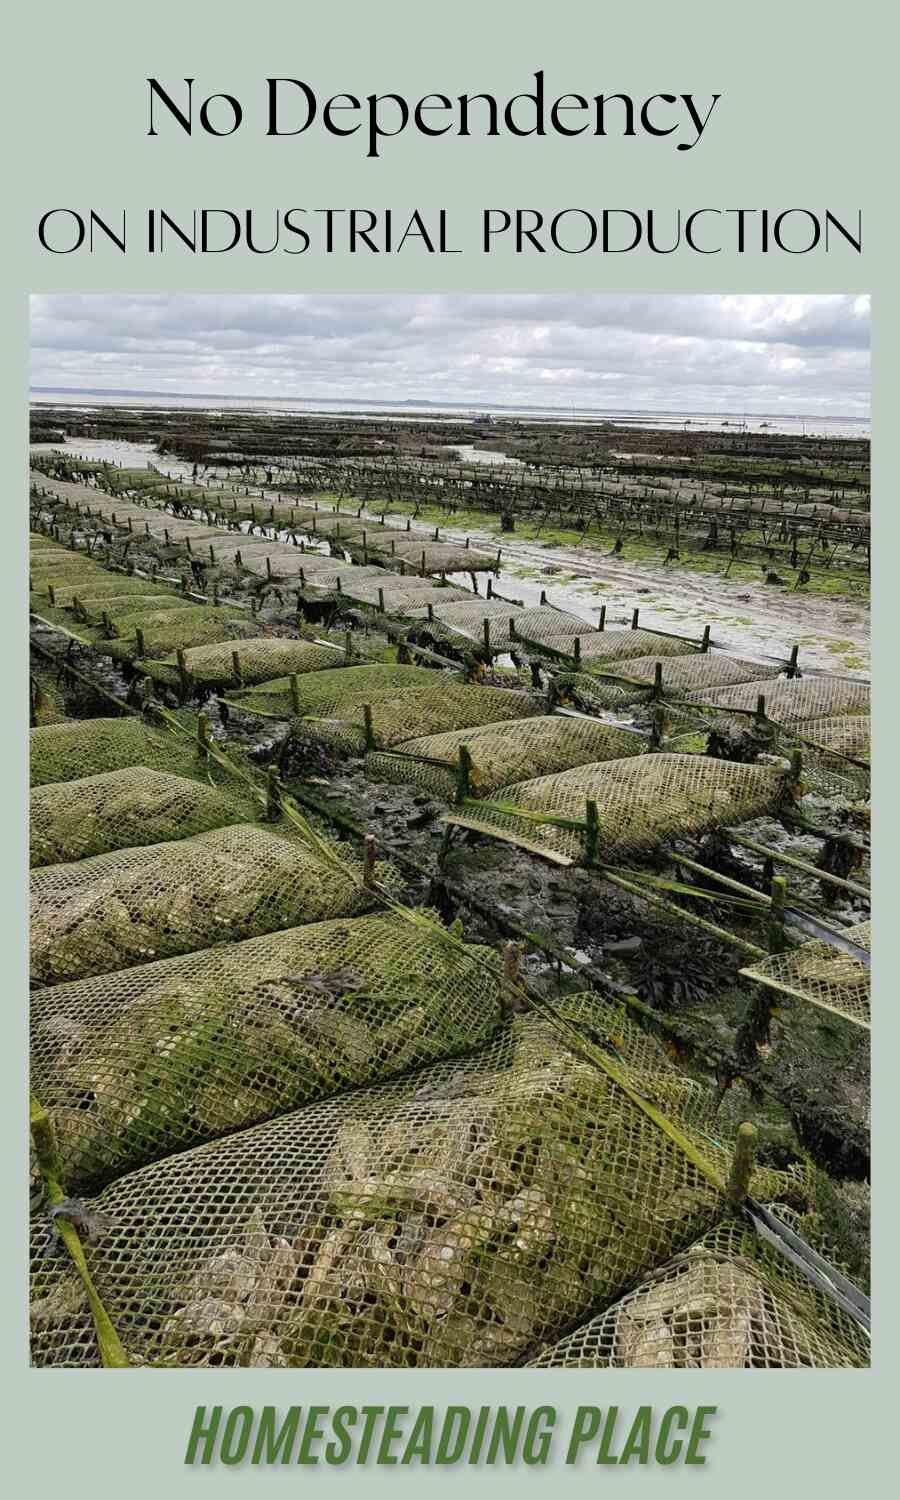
(786, 354)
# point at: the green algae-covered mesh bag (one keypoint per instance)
(641, 802)
(461, 1216)
(823, 975)
(467, 619)
(593, 646)
(112, 585)
(394, 594)
(329, 693)
(729, 1302)
(419, 711)
(47, 699)
(134, 1065)
(255, 660)
(75, 570)
(72, 820)
(500, 751)
(842, 734)
(135, 905)
(64, 752)
(162, 632)
(684, 674)
(92, 609)
(794, 700)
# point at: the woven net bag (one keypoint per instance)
(500, 752)
(135, 1065)
(329, 692)
(73, 820)
(165, 631)
(85, 747)
(135, 905)
(729, 1302)
(463, 1215)
(255, 660)
(641, 803)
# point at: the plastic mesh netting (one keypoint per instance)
(611, 645)
(635, 678)
(135, 905)
(641, 802)
(823, 975)
(114, 585)
(729, 1302)
(330, 692)
(93, 609)
(46, 694)
(72, 820)
(544, 623)
(167, 630)
(258, 659)
(844, 734)
(792, 701)
(458, 1217)
(498, 752)
(135, 1065)
(436, 557)
(398, 593)
(63, 752)
(417, 711)
(467, 619)
(682, 674)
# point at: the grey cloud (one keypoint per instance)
(756, 353)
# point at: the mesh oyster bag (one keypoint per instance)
(729, 1302)
(138, 1064)
(254, 660)
(604, 645)
(823, 975)
(842, 734)
(641, 802)
(135, 905)
(72, 820)
(791, 702)
(92, 609)
(165, 631)
(85, 747)
(460, 1216)
(329, 692)
(47, 697)
(418, 711)
(106, 584)
(541, 745)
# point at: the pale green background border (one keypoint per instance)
(805, 121)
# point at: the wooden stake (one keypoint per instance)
(367, 726)
(778, 893)
(592, 832)
(295, 693)
(273, 795)
(510, 979)
(369, 860)
(704, 644)
(634, 619)
(601, 623)
(464, 771)
(203, 739)
(742, 1164)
